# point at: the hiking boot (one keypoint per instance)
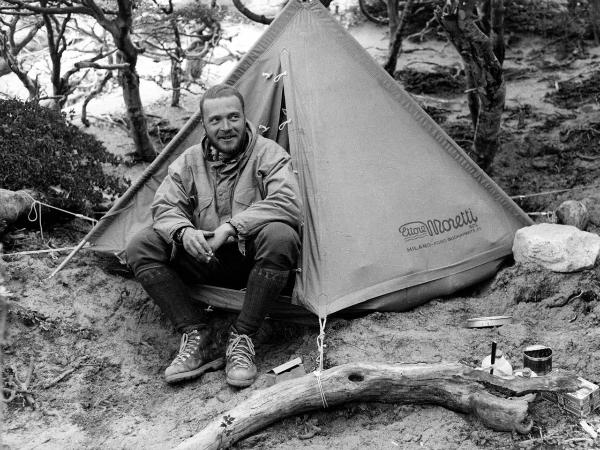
(197, 354)
(240, 369)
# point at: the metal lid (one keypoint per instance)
(492, 321)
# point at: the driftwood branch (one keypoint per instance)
(451, 385)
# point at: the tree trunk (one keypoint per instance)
(4, 68)
(396, 40)
(135, 113)
(175, 81)
(120, 29)
(451, 385)
(483, 68)
(595, 16)
(176, 65)
(392, 9)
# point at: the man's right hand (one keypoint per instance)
(194, 242)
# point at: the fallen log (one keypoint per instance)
(13, 205)
(452, 385)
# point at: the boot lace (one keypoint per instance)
(240, 350)
(189, 345)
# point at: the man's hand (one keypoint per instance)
(220, 236)
(194, 242)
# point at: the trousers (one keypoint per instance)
(166, 271)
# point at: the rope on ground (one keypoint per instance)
(37, 202)
(551, 215)
(35, 216)
(557, 191)
(321, 348)
(36, 252)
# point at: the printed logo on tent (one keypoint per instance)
(465, 222)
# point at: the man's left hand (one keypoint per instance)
(221, 234)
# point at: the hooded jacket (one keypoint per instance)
(264, 190)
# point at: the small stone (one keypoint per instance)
(573, 212)
(540, 164)
(560, 248)
(224, 396)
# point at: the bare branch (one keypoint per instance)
(167, 10)
(81, 65)
(50, 10)
(29, 36)
(94, 93)
(85, 64)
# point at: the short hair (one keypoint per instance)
(219, 91)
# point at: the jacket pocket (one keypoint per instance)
(202, 215)
(246, 197)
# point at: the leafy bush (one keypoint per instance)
(41, 151)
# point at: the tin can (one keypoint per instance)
(538, 358)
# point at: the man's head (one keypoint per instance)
(222, 109)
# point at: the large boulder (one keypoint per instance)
(560, 248)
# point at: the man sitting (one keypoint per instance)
(227, 214)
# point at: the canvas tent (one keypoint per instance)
(394, 212)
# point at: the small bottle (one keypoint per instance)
(501, 366)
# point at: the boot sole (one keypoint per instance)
(240, 383)
(208, 367)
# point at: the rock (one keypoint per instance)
(14, 205)
(560, 248)
(592, 203)
(573, 212)
(224, 396)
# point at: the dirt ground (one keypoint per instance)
(97, 345)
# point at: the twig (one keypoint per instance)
(60, 377)
(575, 440)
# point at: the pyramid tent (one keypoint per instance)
(394, 212)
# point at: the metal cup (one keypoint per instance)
(538, 358)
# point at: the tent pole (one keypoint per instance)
(68, 258)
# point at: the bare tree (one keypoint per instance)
(118, 22)
(483, 55)
(179, 38)
(62, 83)
(31, 27)
(10, 47)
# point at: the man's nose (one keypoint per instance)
(226, 124)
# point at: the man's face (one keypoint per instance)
(225, 124)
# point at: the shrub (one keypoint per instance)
(41, 151)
